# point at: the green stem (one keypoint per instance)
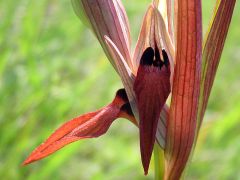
(158, 162)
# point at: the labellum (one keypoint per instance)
(152, 87)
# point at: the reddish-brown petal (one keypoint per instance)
(107, 18)
(89, 125)
(181, 127)
(213, 49)
(152, 87)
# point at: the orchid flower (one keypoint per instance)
(168, 63)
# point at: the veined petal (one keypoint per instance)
(152, 87)
(153, 33)
(181, 127)
(162, 35)
(213, 48)
(161, 5)
(146, 37)
(107, 18)
(165, 7)
(125, 73)
(162, 126)
(89, 125)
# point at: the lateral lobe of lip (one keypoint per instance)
(89, 125)
(152, 87)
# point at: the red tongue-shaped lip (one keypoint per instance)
(152, 87)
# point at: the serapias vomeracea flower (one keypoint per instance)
(168, 62)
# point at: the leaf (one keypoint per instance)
(181, 127)
(90, 125)
(213, 48)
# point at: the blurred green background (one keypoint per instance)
(53, 69)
